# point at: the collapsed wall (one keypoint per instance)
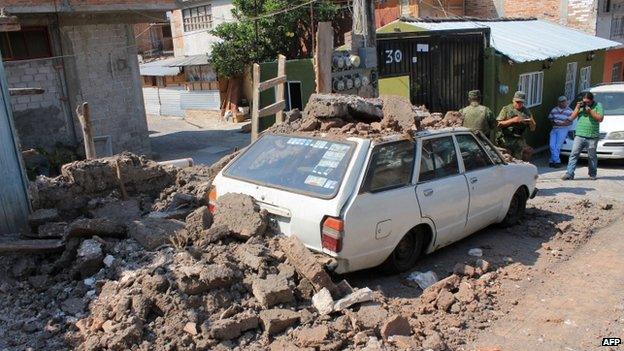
(158, 270)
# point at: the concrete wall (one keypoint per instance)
(40, 120)
(105, 73)
(201, 41)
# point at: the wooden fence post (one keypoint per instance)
(276, 108)
(255, 119)
(323, 55)
(84, 115)
(279, 89)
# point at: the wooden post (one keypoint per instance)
(255, 118)
(84, 116)
(279, 89)
(323, 56)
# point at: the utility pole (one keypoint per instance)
(312, 30)
(364, 23)
(256, 29)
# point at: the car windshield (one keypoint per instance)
(612, 102)
(305, 165)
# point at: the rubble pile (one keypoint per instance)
(452, 119)
(353, 115)
(82, 181)
(158, 270)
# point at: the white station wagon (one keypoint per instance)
(389, 200)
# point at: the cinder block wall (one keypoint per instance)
(40, 120)
(105, 72)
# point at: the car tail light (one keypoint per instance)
(332, 232)
(212, 199)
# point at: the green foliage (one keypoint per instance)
(285, 33)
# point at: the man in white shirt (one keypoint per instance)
(560, 118)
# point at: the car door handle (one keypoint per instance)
(428, 192)
(473, 180)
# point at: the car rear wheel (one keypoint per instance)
(516, 208)
(405, 254)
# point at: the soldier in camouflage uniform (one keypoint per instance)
(479, 117)
(513, 121)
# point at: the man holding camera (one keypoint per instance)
(590, 114)
(513, 121)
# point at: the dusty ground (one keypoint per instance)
(158, 271)
(174, 138)
(553, 294)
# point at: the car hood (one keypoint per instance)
(613, 123)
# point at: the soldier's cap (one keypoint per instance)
(519, 96)
(474, 94)
(562, 98)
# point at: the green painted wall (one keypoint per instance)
(296, 70)
(498, 72)
(395, 86)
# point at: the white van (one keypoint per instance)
(388, 200)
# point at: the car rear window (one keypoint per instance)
(305, 165)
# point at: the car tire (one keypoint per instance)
(406, 253)
(516, 209)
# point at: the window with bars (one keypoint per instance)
(532, 84)
(28, 43)
(585, 78)
(197, 18)
(617, 27)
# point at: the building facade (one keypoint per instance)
(551, 61)
(191, 25)
(78, 51)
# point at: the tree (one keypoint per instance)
(278, 32)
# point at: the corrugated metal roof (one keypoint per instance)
(159, 71)
(172, 66)
(524, 41)
(195, 60)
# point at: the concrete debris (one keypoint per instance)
(154, 232)
(240, 214)
(87, 227)
(424, 280)
(224, 289)
(272, 290)
(358, 296)
(395, 325)
(323, 301)
(123, 212)
(230, 328)
(277, 320)
(108, 260)
(42, 216)
(89, 258)
(476, 252)
(306, 264)
(311, 337)
(53, 230)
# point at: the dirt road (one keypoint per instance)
(571, 305)
(559, 275)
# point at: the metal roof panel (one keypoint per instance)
(527, 40)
